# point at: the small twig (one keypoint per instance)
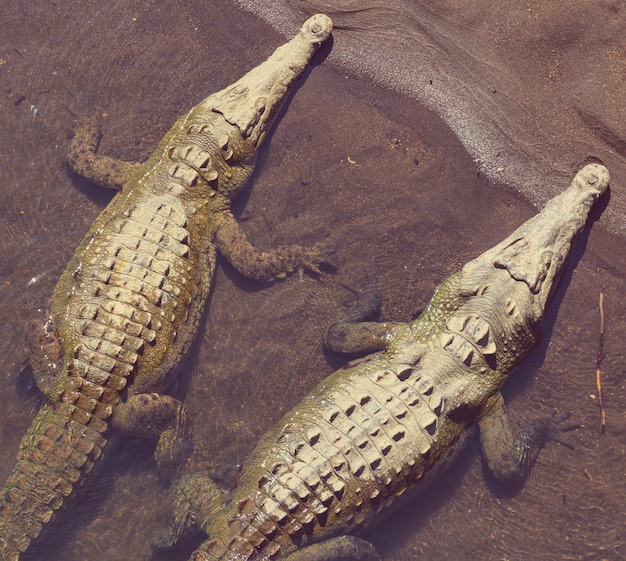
(599, 358)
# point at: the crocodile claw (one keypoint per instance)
(320, 257)
(552, 425)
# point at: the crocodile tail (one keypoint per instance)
(59, 449)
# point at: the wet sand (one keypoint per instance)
(381, 179)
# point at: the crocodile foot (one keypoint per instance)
(552, 428)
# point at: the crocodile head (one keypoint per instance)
(252, 103)
(536, 253)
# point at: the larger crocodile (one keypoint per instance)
(381, 427)
(126, 310)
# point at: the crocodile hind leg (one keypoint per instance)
(102, 170)
(343, 548)
(509, 459)
(159, 416)
(195, 500)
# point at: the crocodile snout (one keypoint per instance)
(594, 177)
(252, 103)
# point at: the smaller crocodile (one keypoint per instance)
(127, 307)
(383, 426)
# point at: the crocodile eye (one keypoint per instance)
(239, 90)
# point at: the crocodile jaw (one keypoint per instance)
(536, 253)
(252, 103)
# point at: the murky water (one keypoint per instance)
(387, 185)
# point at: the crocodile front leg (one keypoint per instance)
(511, 459)
(353, 334)
(102, 170)
(267, 265)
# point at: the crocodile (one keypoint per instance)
(383, 426)
(127, 308)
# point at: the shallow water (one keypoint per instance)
(406, 213)
(530, 88)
